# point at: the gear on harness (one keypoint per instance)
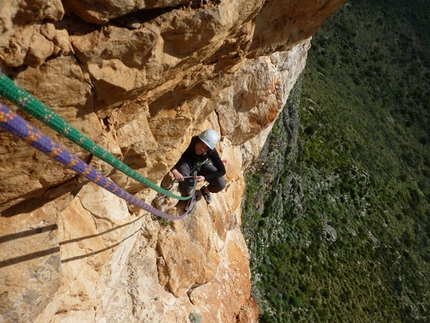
(167, 182)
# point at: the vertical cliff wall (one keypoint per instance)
(139, 79)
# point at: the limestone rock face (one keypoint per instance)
(139, 78)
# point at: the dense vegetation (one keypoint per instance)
(342, 230)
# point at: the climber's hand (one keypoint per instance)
(200, 178)
(178, 176)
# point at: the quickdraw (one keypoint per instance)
(17, 126)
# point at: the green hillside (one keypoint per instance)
(343, 226)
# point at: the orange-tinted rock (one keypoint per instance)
(140, 86)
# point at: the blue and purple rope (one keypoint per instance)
(28, 103)
(17, 126)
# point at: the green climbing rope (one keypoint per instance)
(28, 103)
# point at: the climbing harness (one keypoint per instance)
(17, 126)
(194, 172)
(28, 103)
(170, 185)
(190, 204)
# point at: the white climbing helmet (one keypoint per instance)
(210, 138)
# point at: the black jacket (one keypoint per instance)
(190, 157)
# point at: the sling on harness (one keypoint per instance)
(194, 172)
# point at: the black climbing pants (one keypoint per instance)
(215, 185)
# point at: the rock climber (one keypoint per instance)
(202, 156)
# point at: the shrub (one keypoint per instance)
(296, 301)
(195, 318)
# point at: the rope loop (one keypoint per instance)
(28, 103)
(17, 126)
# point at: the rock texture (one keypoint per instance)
(139, 78)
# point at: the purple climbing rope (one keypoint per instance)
(17, 126)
